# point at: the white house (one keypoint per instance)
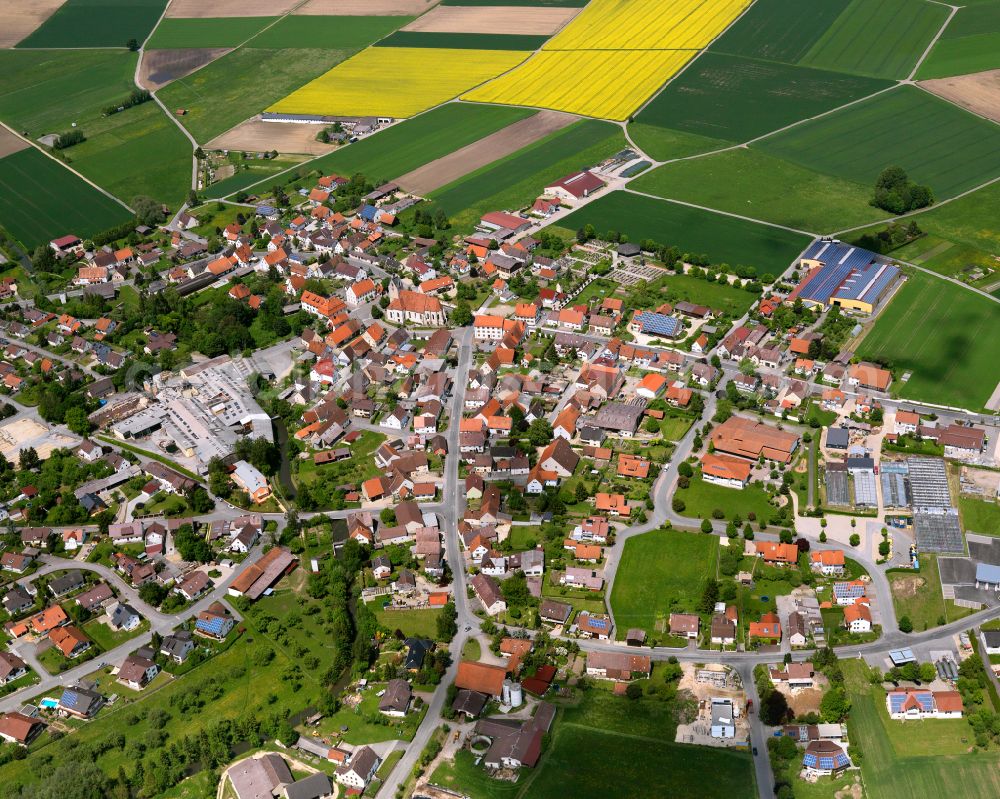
(723, 718)
(359, 770)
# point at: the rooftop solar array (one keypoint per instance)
(838, 260)
(865, 493)
(826, 761)
(837, 488)
(924, 698)
(867, 283)
(212, 626)
(895, 489)
(658, 324)
(929, 483)
(848, 590)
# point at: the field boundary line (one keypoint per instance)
(82, 177)
(934, 41)
(809, 233)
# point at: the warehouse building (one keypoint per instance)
(839, 274)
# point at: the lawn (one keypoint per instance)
(173, 33)
(780, 30)
(464, 776)
(640, 733)
(660, 571)
(108, 639)
(421, 623)
(673, 428)
(403, 147)
(979, 516)
(692, 230)
(908, 760)
(944, 147)
(243, 83)
(883, 38)
(701, 498)
(596, 290)
(719, 296)
(250, 172)
(918, 595)
(365, 724)
(952, 364)
(97, 23)
(43, 200)
(752, 183)
(735, 98)
(516, 180)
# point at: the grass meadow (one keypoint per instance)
(173, 33)
(753, 183)
(970, 43)
(945, 335)
(660, 571)
(43, 200)
(937, 143)
(516, 180)
(724, 239)
(913, 760)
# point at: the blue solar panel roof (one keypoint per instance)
(838, 260)
(659, 324)
(924, 698)
(213, 626)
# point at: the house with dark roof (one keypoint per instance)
(396, 699)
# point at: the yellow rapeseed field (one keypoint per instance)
(609, 84)
(647, 25)
(396, 81)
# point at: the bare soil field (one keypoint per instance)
(493, 19)
(18, 18)
(9, 143)
(365, 8)
(979, 92)
(205, 9)
(24, 433)
(485, 151)
(257, 136)
(160, 67)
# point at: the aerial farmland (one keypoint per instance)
(499, 399)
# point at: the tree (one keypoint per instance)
(678, 504)
(447, 626)
(633, 690)
(927, 672)
(884, 549)
(132, 45)
(905, 625)
(192, 547)
(651, 425)
(709, 595)
(684, 469)
(153, 593)
(28, 459)
(773, 708)
(147, 210)
(461, 316)
(76, 420)
(855, 539)
(706, 525)
(835, 705)
(540, 432)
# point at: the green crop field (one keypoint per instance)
(44, 91)
(943, 146)
(251, 172)
(243, 83)
(914, 761)
(138, 151)
(42, 200)
(463, 41)
(666, 143)
(962, 56)
(780, 30)
(752, 183)
(174, 33)
(516, 180)
(319, 32)
(657, 570)
(945, 335)
(97, 23)
(882, 38)
(737, 99)
(405, 146)
(723, 238)
(970, 43)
